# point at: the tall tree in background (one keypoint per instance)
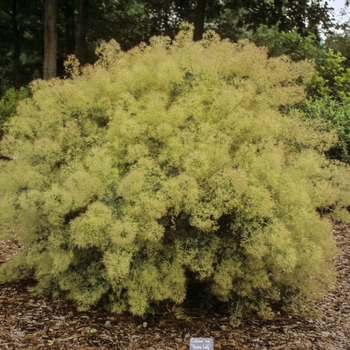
(199, 20)
(130, 22)
(17, 48)
(304, 16)
(67, 9)
(50, 40)
(21, 42)
(81, 31)
(10, 15)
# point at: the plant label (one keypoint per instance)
(201, 344)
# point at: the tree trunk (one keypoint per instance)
(80, 35)
(50, 40)
(199, 20)
(17, 46)
(69, 25)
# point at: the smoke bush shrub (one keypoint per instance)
(167, 165)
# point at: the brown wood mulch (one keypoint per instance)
(27, 322)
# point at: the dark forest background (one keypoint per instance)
(38, 35)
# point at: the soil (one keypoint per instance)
(28, 322)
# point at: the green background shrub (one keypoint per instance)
(8, 105)
(328, 102)
(334, 116)
(289, 43)
(170, 165)
(332, 78)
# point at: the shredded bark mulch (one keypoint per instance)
(27, 322)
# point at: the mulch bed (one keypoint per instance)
(27, 322)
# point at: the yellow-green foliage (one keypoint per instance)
(332, 79)
(168, 163)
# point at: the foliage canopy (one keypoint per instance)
(168, 165)
(289, 43)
